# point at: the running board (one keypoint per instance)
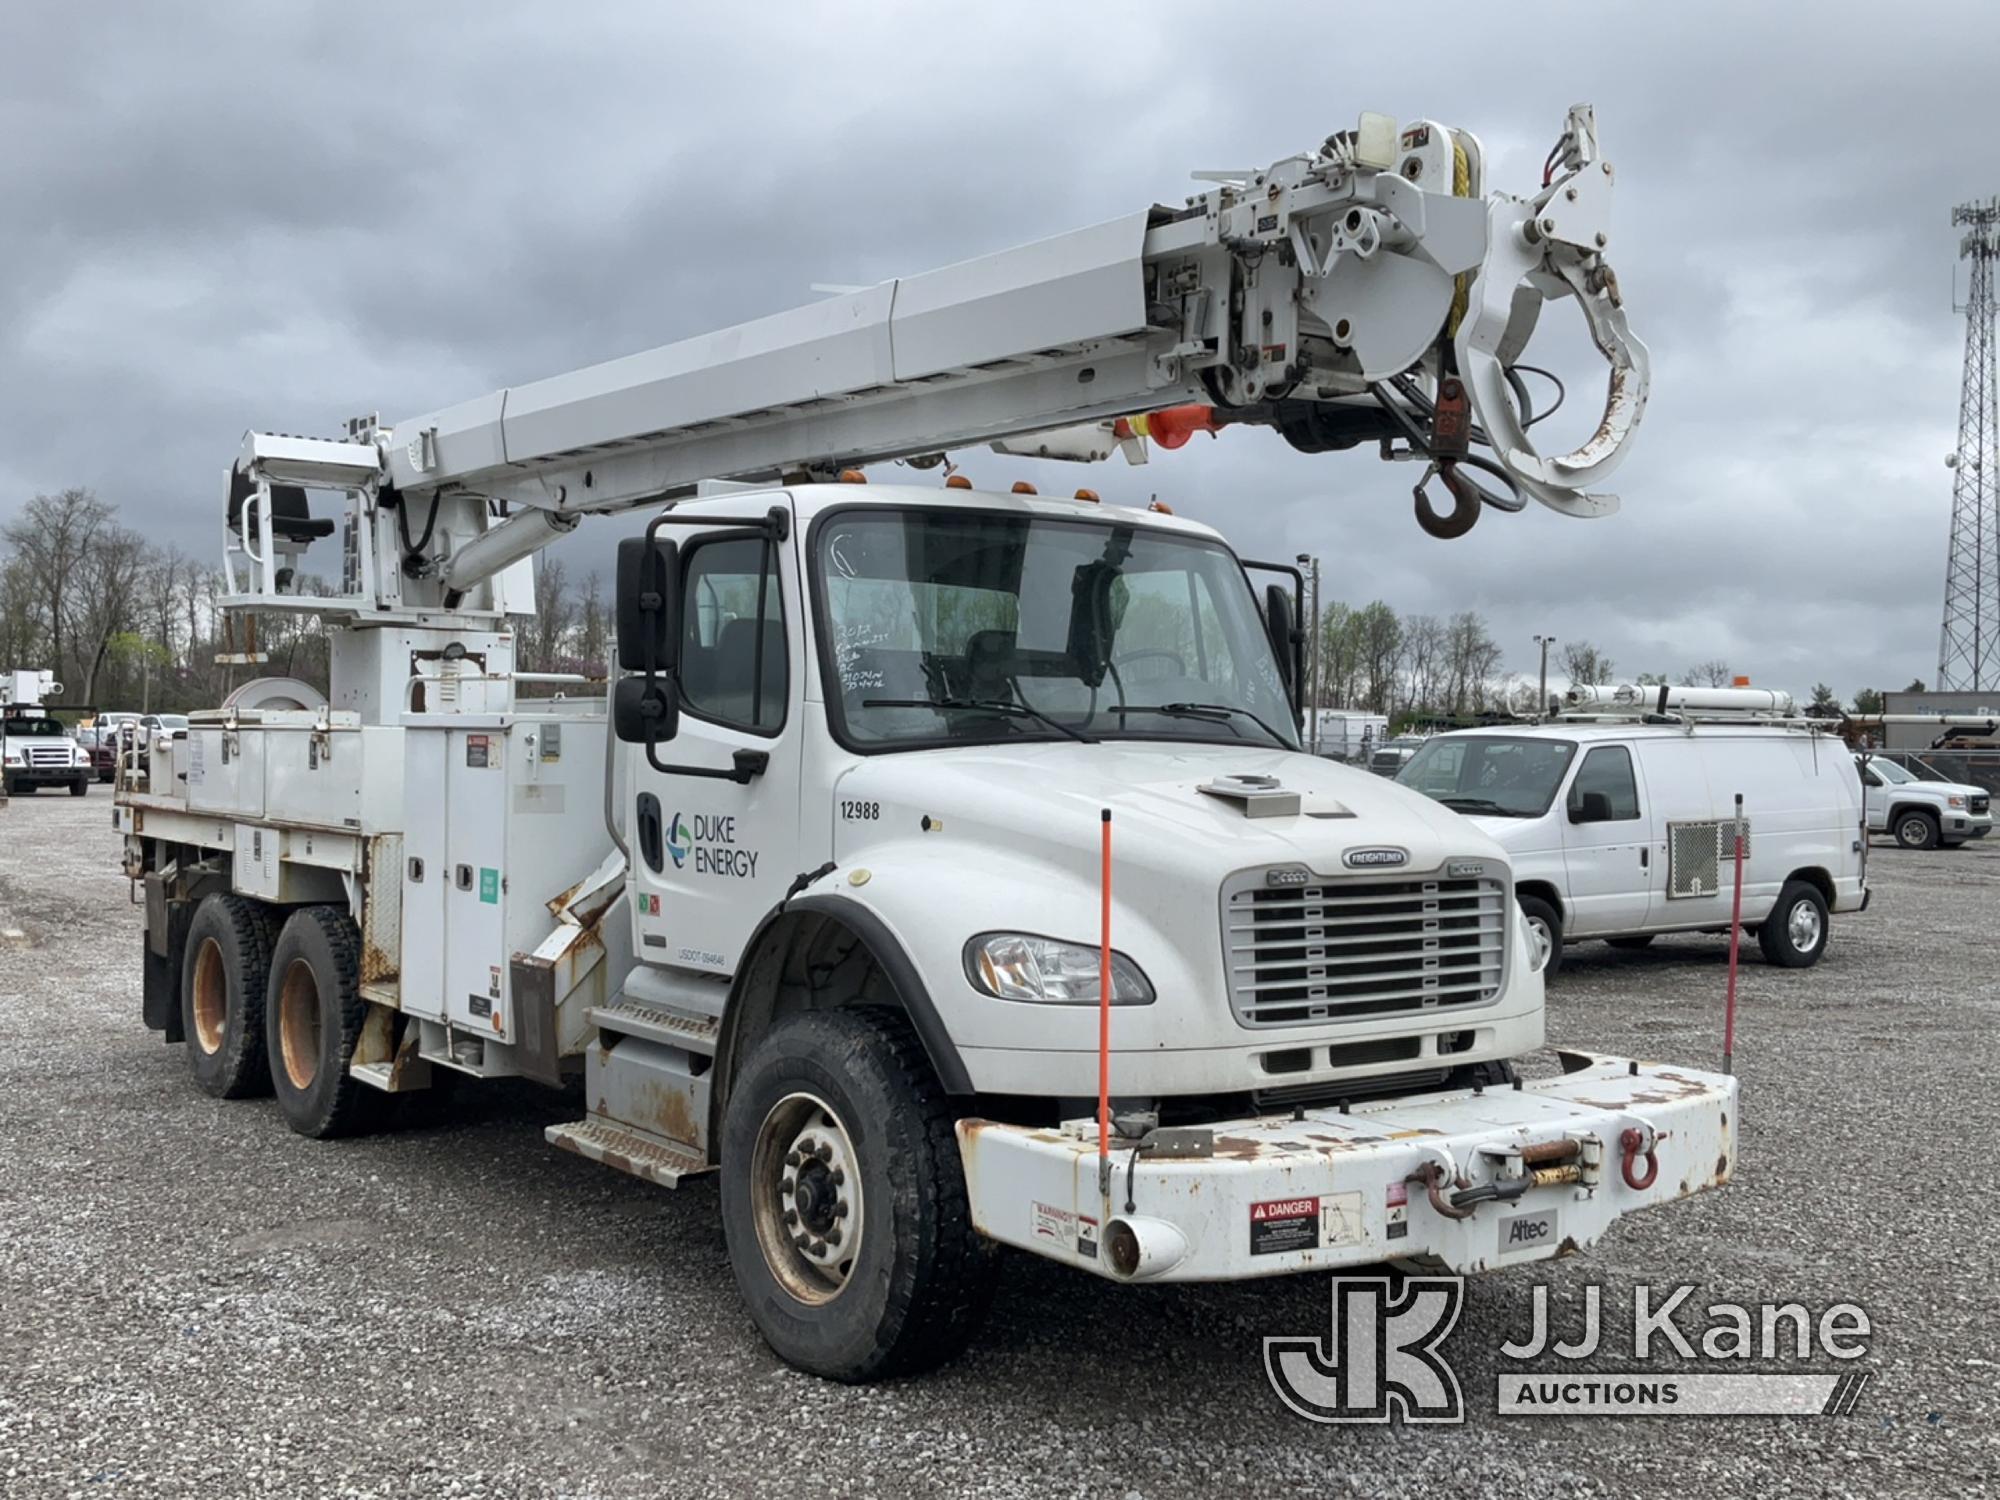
(637, 1152)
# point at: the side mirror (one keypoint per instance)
(1591, 807)
(648, 604)
(1282, 627)
(645, 710)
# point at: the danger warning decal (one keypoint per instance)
(1284, 1224)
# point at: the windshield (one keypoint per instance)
(946, 627)
(48, 728)
(1490, 774)
(1889, 771)
(172, 721)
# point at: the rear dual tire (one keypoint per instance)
(224, 973)
(312, 1022)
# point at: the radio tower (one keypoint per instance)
(1969, 647)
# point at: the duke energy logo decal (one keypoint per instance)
(679, 841)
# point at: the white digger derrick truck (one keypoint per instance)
(941, 867)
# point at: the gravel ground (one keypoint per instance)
(195, 1301)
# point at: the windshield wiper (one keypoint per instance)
(984, 705)
(1476, 804)
(1214, 713)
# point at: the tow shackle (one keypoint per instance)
(1636, 1148)
(1435, 1180)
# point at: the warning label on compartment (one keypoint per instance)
(1086, 1236)
(1340, 1219)
(1054, 1224)
(1398, 1220)
(1284, 1224)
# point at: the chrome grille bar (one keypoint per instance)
(1351, 948)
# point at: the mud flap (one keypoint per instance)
(166, 944)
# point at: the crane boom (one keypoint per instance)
(1369, 290)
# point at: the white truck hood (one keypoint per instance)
(1045, 799)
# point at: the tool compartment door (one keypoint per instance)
(426, 873)
(475, 958)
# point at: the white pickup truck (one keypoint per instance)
(1922, 814)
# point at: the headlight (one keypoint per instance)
(13, 758)
(1958, 802)
(1021, 966)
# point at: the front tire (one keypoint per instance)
(312, 1019)
(78, 787)
(224, 971)
(1545, 926)
(1917, 830)
(1794, 935)
(838, 1134)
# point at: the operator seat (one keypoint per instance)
(293, 528)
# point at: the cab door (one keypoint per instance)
(1607, 844)
(710, 856)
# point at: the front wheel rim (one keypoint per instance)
(806, 1202)
(1913, 832)
(1805, 927)
(298, 1024)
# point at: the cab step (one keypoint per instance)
(637, 1152)
(670, 1028)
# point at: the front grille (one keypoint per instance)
(1981, 804)
(48, 755)
(1344, 949)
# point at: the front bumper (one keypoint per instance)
(46, 775)
(1326, 1189)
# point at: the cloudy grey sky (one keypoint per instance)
(239, 215)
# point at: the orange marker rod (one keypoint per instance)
(1104, 1012)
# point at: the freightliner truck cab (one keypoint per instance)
(885, 750)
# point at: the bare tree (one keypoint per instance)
(1584, 663)
(54, 535)
(555, 613)
(1424, 647)
(1711, 673)
(593, 645)
(1379, 638)
(106, 596)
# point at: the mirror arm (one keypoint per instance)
(745, 767)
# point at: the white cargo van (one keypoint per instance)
(1623, 830)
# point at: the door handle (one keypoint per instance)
(1645, 856)
(652, 842)
(463, 876)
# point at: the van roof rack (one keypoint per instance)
(1665, 703)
